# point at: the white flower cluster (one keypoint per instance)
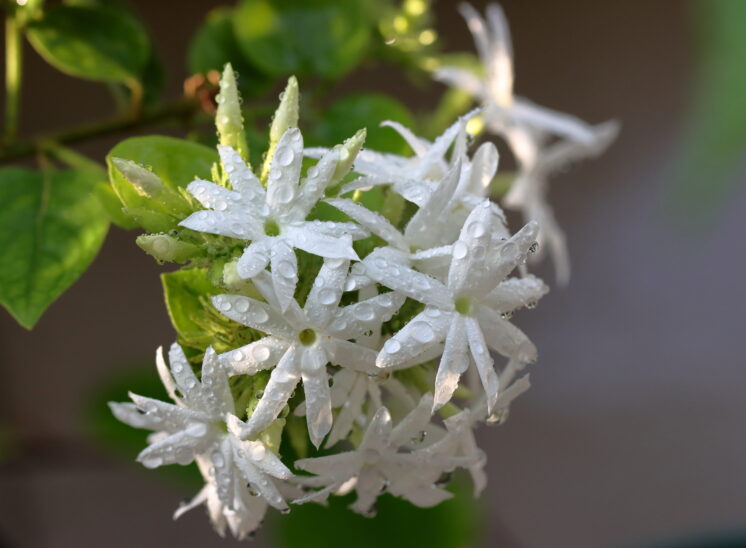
(391, 339)
(542, 141)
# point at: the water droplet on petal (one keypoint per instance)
(285, 156)
(327, 296)
(242, 305)
(260, 353)
(260, 315)
(258, 451)
(364, 312)
(218, 460)
(422, 332)
(286, 269)
(392, 346)
(196, 429)
(460, 250)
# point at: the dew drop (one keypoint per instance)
(476, 229)
(260, 315)
(218, 460)
(196, 429)
(392, 346)
(422, 332)
(286, 269)
(152, 462)
(364, 312)
(327, 296)
(258, 451)
(260, 353)
(285, 156)
(460, 250)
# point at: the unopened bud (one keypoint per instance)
(285, 117)
(228, 118)
(167, 248)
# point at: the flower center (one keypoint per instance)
(222, 426)
(463, 306)
(271, 228)
(307, 337)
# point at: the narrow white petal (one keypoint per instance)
(186, 380)
(356, 319)
(354, 356)
(370, 484)
(253, 357)
(316, 390)
(373, 221)
(327, 289)
(470, 250)
(284, 172)
(544, 119)
(414, 422)
(418, 286)
(516, 293)
(304, 237)
(260, 482)
(255, 258)
(504, 337)
(454, 362)
(282, 382)
(165, 375)
(222, 223)
(423, 332)
(284, 265)
(461, 78)
(316, 181)
(215, 383)
(418, 146)
(242, 179)
(485, 365)
(254, 314)
(178, 448)
(351, 408)
(214, 196)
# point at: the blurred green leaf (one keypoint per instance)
(455, 523)
(176, 161)
(366, 110)
(52, 226)
(715, 133)
(214, 44)
(93, 42)
(321, 37)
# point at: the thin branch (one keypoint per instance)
(13, 73)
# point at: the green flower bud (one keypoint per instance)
(228, 118)
(235, 284)
(286, 117)
(167, 248)
(148, 185)
(152, 221)
(347, 154)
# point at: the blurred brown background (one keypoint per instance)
(633, 430)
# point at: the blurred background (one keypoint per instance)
(632, 434)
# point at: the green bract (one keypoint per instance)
(52, 226)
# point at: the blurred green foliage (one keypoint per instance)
(715, 131)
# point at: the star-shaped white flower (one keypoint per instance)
(494, 89)
(537, 162)
(201, 424)
(274, 221)
(302, 341)
(242, 520)
(379, 464)
(464, 309)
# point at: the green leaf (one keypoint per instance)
(176, 161)
(92, 42)
(366, 110)
(214, 44)
(455, 523)
(322, 37)
(182, 290)
(52, 226)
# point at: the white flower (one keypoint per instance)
(242, 520)
(274, 220)
(302, 341)
(464, 309)
(201, 425)
(379, 465)
(537, 161)
(503, 110)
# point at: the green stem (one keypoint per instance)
(13, 72)
(172, 111)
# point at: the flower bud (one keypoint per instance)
(347, 154)
(167, 248)
(147, 184)
(228, 118)
(286, 117)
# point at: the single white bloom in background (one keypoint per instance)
(201, 425)
(494, 89)
(457, 312)
(302, 342)
(537, 162)
(274, 221)
(379, 465)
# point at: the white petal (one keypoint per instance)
(261, 483)
(284, 265)
(504, 337)
(421, 228)
(351, 409)
(418, 286)
(354, 356)
(242, 179)
(284, 172)
(470, 250)
(253, 357)
(253, 313)
(378, 432)
(418, 146)
(304, 237)
(425, 330)
(516, 293)
(221, 458)
(544, 119)
(215, 383)
(280, 387)
(336, 229)
(355, 319)
(222, 223)
(214, 196)
(370, 484)
(316, 181)
(324, 296)
(373, 221)
(186, 380)
(454, 362)
(255, 258)
(178, 448)
(316, 390)
(165, 375)
(414, 422)
(485, 365)
(461, 78)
